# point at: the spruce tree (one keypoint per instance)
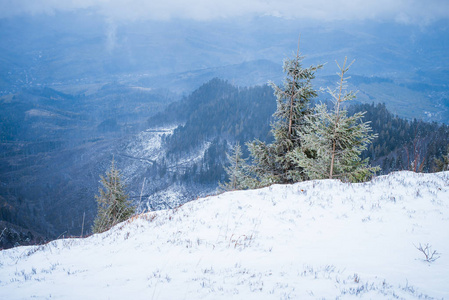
(270, 162)
(237, 171)
(442, 164)
(335, 139)
(113, 204)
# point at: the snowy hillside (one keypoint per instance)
(143, 155)
(311, 240)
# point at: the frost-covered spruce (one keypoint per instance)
(270, 162)
(335, 140)
(113, 204)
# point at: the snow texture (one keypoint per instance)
(320, 239)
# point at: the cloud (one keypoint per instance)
(407, 11)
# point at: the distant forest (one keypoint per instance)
(222, 114)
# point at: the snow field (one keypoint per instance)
(311, 240)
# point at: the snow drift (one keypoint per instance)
(311, 240)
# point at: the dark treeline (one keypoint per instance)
(403, 144)
(218, 109)
(216, 115)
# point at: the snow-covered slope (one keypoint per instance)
(311, 240)
(143, 155)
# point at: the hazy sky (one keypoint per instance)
(406, 11)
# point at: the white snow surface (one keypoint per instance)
(147, 145)
(311, 240)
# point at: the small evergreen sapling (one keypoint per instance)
(237, 171)
(113, 204)
(335, 140)
(442, 164)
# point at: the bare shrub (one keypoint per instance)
(430, 256)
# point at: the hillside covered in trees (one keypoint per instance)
(223, 115)
(404, 144)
